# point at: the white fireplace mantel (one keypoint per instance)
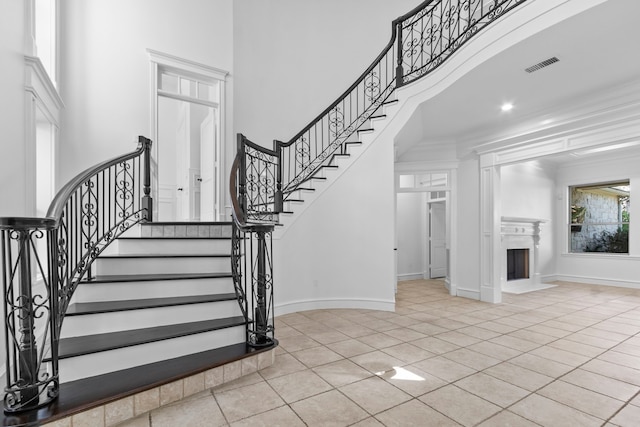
(521, 233)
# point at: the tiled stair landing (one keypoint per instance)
(94, 410)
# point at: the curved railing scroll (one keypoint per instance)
(255, 207)
(44, 260)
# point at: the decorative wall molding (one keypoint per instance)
(38, 83)
(606, 127)
(174, 62)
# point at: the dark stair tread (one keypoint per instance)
(154, 277)
(390, 101)
(380, 116)
(294, 200)
(147, 224)
(81, 395)
(329, 166)
(138, 304)
(366, 130)
(174, 238)
(78, 346)
(121, 256)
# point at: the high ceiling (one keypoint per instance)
(597, 49)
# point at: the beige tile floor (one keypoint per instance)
(564, 356)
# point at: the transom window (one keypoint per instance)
(599, 217)
(196, 89)
(424, 180)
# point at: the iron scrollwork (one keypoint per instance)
(435, 33)
(32, 378)
(44, 260)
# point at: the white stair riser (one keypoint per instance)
(118, 266)
(169, 246)
(118, 291)
(89, 365)
(100, 323)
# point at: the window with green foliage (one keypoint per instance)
(600, 218)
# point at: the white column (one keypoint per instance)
(490, 223)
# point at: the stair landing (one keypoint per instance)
(110, 399)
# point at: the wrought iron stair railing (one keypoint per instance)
(421, 41)
(263, 179)
(44, 260)
(255, 205)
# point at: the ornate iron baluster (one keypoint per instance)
(88, 213)
(31, 379)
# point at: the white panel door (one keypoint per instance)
(208, 147)
(437, 240)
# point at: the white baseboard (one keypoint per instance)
(321, 304)
(468, 293)
(410, 276)
(593, 281)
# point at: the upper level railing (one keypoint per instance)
(44, 260)
(263, 178)
(421, 41)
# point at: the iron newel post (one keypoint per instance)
(399, 68)
(147, 200)
(28, 366)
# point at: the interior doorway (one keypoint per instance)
(437, 239)
(188, 142)
(188, 130)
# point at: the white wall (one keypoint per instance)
(339, 252)
(620, 270)
(12, 142)
(105, 67)
(293, 58)
(528, 191)
(410, 226)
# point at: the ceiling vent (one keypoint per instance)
(541, 65)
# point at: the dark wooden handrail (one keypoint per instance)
(60, 200)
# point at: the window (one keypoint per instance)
(44, 35)
(424, 180)
(599, 217)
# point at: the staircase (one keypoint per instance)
(297, 200)
(102, 304)
(153, 298)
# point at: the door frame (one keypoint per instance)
(429, 235)
(160, 62)
(450, 168)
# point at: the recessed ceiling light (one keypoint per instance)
(507, 106)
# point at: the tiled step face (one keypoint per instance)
(164, 246)
(196, 229)
(164, 265)
(100, 323)
(89, 365)
(111, 291)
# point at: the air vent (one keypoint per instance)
(542, 64)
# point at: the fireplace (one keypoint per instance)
(517, 264)
(520, 242)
